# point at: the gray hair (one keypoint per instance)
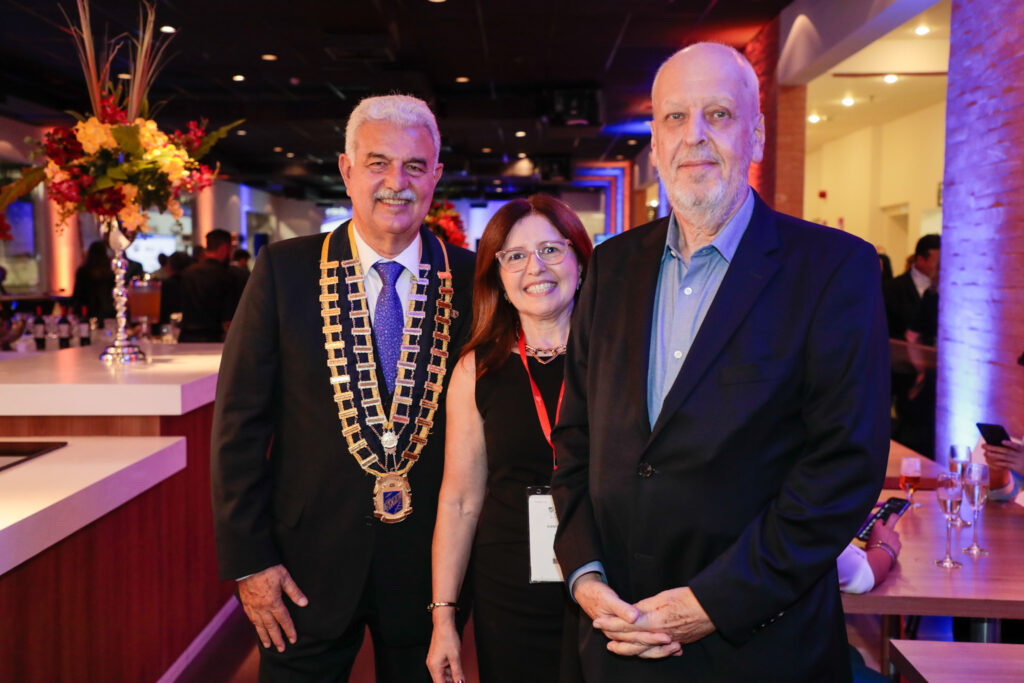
(401, 110)
(749, 75)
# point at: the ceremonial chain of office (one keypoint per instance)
(392, 494)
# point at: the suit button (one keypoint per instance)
(368, 520)
(645, 470)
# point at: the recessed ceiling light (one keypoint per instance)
(290, 155)
(268, 57)
(486, 150)
(922, 30)
(496, 181)
(462, 79)
(891, 78)
(238, 77)
(239, 132)
(520, 133)
(847, 101)
(278, 149)
(168, 29)
(631, 141)
(814, 118)
(497, 189)
(521, 155)
(436, 1)
(124, 77)
(619, 157)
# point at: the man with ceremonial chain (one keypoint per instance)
(328, 431)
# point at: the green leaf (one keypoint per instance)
(102, 183)
(128, 139)
(117, 173)
(77, 116)
(30, 177)
(212, 137)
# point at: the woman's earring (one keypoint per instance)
(505, 294)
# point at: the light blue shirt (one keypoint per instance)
(682, 299)
(684, 294)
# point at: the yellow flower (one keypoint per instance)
(94, 135)
(132, 218)
(172, 161)
(150, 136)
(175, 208)
(130, 192)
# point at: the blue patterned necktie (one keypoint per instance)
(388, 321)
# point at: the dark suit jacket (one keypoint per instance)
(901, 304)
(309, 505)
(768, 453)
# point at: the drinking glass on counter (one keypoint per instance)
(949, 494)
(910, 477)
(975, 484)
(959, 459)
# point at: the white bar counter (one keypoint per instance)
(137, 587)
(177, 379)
(46, 499)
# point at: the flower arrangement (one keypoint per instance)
(445, 222)
(116, 162)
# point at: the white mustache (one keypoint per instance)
(403, 195)
(684, 158)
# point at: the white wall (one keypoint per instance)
(878, 178)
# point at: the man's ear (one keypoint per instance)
(345, 167)
(758, 150)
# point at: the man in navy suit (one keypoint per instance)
(724, 429)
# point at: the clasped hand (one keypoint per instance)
(653, 628)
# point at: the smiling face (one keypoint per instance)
(706, 132)
(391, 182)
(542, 291)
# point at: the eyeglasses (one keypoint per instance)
(549, 253)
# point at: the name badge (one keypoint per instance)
(543, 524)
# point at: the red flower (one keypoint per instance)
(5, 228)
(110, 112)
(62, 147)
(193, 138)
(106, 202)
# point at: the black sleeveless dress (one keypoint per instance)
(524, 631)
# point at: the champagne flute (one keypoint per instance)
(975, 485)
(949, 495)
(910, 477)
(959, 458)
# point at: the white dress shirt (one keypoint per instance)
(410, 260)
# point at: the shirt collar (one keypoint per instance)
(921, 281)
(727, 239)
(409, 258)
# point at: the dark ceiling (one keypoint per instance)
(572, 75)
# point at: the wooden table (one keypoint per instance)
(929, 468)
(990, 587)
(932, 662)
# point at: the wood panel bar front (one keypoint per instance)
(122, 598)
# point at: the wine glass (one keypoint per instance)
(910, 477)
(959, 458)
(949, 495)
(975, 484)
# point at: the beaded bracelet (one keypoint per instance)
(888, 551)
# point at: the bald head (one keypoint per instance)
(714, 60)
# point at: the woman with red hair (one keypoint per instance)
(502, 402)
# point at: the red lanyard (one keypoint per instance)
(538, 402)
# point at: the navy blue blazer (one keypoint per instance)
(767, 455)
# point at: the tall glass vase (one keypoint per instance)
(121, 351)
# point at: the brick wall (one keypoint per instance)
(779, 178)
(981, 284)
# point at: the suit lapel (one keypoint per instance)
(750, 270)
(639, 283)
